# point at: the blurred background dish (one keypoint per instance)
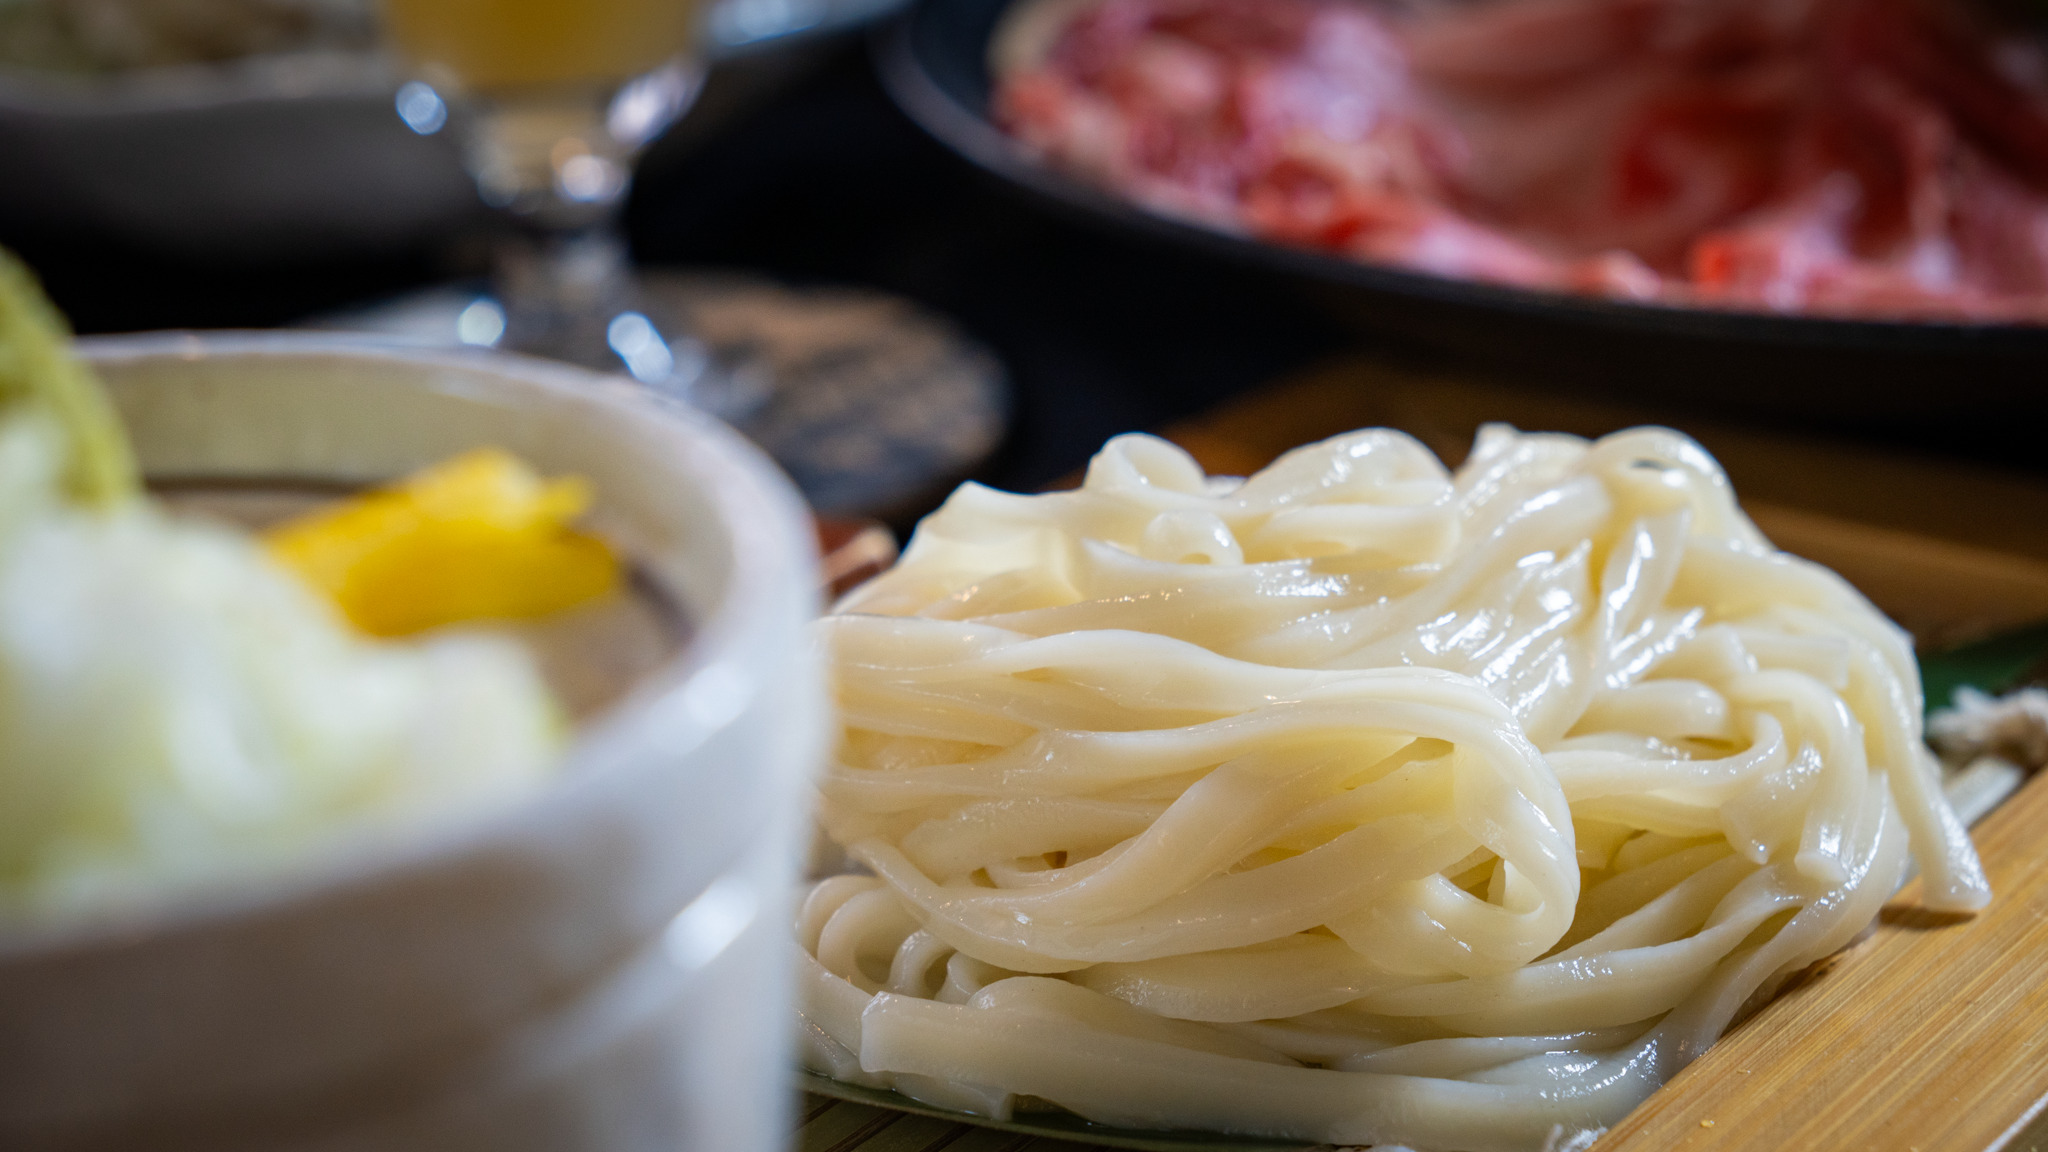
(1861, 158)
(601, 964)
(1870, 374)
(102, 37)
(265, 158)
(254, 131)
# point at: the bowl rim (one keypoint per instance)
(757, 505)
(270, 78)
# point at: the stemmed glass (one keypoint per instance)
(867, 401)
(550, 101)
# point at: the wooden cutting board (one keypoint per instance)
(1931, 1035)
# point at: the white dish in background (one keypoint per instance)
(603, 966)
(298, 156)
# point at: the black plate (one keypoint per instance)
(1937, 379)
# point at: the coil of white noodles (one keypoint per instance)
(1353, 802)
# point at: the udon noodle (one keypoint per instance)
(1356, 801)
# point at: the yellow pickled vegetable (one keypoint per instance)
(478, 537)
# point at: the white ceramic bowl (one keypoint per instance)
(601, 967)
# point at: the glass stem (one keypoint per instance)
(562, 290)
(556, 162)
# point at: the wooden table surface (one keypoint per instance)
(1930, 1035)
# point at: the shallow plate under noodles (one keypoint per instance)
(1053, 1125)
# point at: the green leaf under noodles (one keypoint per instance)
(2003, 663)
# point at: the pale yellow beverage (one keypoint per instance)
(494, 46)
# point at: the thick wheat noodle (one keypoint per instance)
(1356, 801)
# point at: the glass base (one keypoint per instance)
(874, 405)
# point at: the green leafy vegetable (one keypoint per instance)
(1995, 666)
(38, 368)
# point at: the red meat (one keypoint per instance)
(1876, 157)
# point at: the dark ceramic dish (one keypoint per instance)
(1939, 380)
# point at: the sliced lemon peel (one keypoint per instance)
(481, 536)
